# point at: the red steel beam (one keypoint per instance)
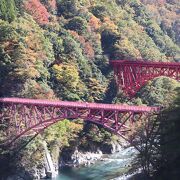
(78, 104)
(23, 116)
(130, 76)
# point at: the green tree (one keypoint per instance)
(160, 91)
(11, 7)
(77, 24)
(99, 11)
(25, 54)
(8, 10)
(123, 2)
(67, 8)
(96, 90)
(123, 49)
(3, 9)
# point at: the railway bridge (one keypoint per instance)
(130, 76)
(24, 117)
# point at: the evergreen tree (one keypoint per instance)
(8, 10)
(11, 10)
(3, 9)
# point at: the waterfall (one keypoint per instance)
(50, 169)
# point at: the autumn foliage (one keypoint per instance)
(94, 23)
(60, 49)
(87, 46)
(52, 4)
(38, 11)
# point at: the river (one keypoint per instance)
(112, 167)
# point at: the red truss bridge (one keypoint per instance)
(132, 75)
(24, 117)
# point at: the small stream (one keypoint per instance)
(112, 167)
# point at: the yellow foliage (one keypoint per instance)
(29, 72)
(67, 75)
(94, 22)
(109, 23)
(75, 127)
(96, 89)
(126, 49)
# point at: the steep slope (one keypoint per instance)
(72, 41)
(60, 49)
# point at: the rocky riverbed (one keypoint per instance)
(74, 157)
(109, 160)
(108, 167)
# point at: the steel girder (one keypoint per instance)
(23, 117)
(130, 76)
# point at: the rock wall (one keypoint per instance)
(76, 156)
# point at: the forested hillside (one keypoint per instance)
(60, 49)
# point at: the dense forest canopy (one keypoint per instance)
(60, 49)
(46, 44)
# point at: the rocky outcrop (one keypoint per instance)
(76, 156)
(110, 148)
(79, 158)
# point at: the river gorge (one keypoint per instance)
(112, 166)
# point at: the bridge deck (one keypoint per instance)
(146, 63)
(78, 104)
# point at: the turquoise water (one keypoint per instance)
(112, 167)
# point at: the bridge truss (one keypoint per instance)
(24, 117)
(132, 75)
